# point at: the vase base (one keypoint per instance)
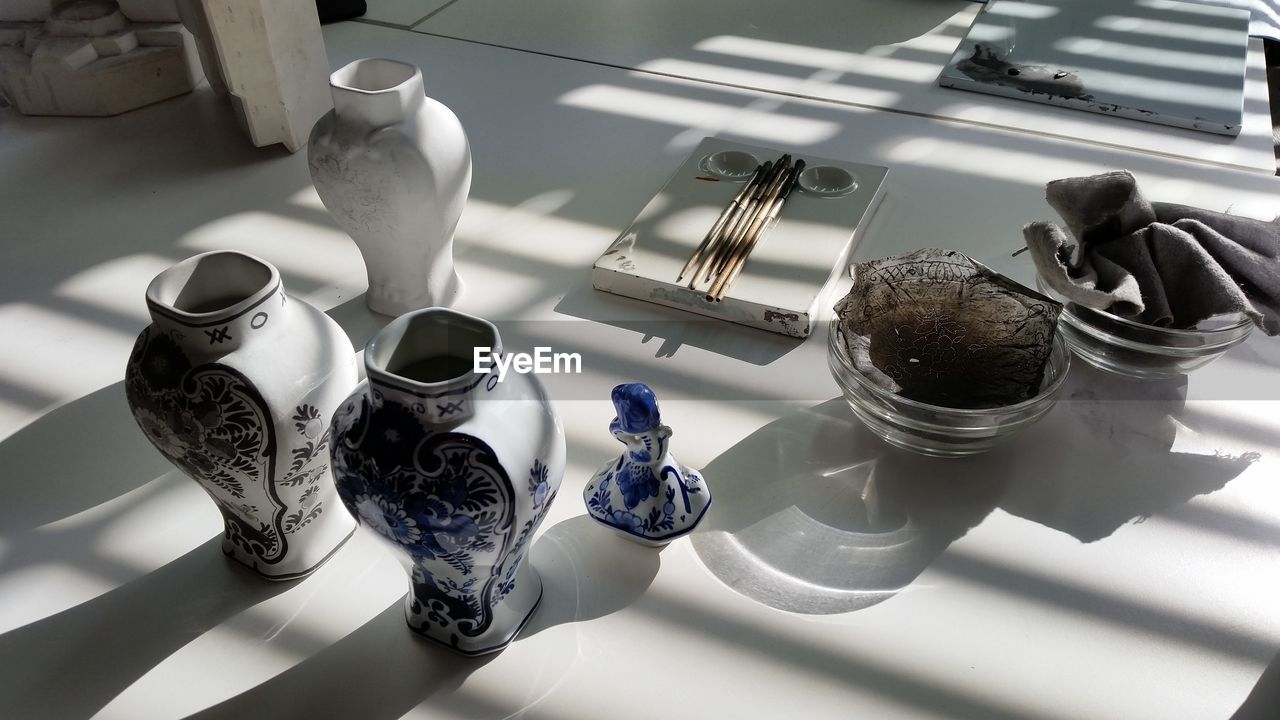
(680, 530)
(639, 539)
(511, 615)
(275, 574)
(395, 304)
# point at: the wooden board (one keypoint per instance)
(788, 272)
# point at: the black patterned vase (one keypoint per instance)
(234, 382)
(455, 469)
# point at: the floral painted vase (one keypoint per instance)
(645, 495)
(455, 470)
(234, 382)
(393, 167)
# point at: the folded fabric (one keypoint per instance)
(1156, 263)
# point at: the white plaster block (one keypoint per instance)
(27, 10)
(12, 35)
(116, 44)
(12, 59)
(149, 10)
(273, 60)
(195, 18)
(99, 18)
(32, 39)
(97, 75)
(70, 53)
(162, 35)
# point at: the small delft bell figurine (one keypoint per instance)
(645, 495)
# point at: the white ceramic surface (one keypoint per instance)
(1117, 562)
(394, 168)
(234, 383)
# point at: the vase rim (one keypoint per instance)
(346, 77)
(381, 349)
(164, 293)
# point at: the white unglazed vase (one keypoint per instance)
(235, 382)
(454, 470)
(393, 167)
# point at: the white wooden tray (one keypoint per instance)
(790, 269)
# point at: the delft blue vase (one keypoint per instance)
(234, 382)
(645, 495)
(454, 470)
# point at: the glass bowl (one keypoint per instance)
(933, 429)
(1146, 352)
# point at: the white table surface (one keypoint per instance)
(1117, 561)
(1264, 14)
(1172, 64)
(884, 54)
(403, 13)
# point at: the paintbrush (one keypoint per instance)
(758, 229)
(762, 207)
(742, 219)
(714, 233)
(710, 260)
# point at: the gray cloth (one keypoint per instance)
(1156, 263)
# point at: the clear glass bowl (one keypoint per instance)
(933, 429)
(1146, 352)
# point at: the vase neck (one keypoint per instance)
(425, 361)
(217, 300)
(648, 447)
(377, 92)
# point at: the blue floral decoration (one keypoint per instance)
(444, 499)
(637, 483)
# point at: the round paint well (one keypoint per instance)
(731, 164)
(827, 180)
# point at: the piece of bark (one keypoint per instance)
(947, 330)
